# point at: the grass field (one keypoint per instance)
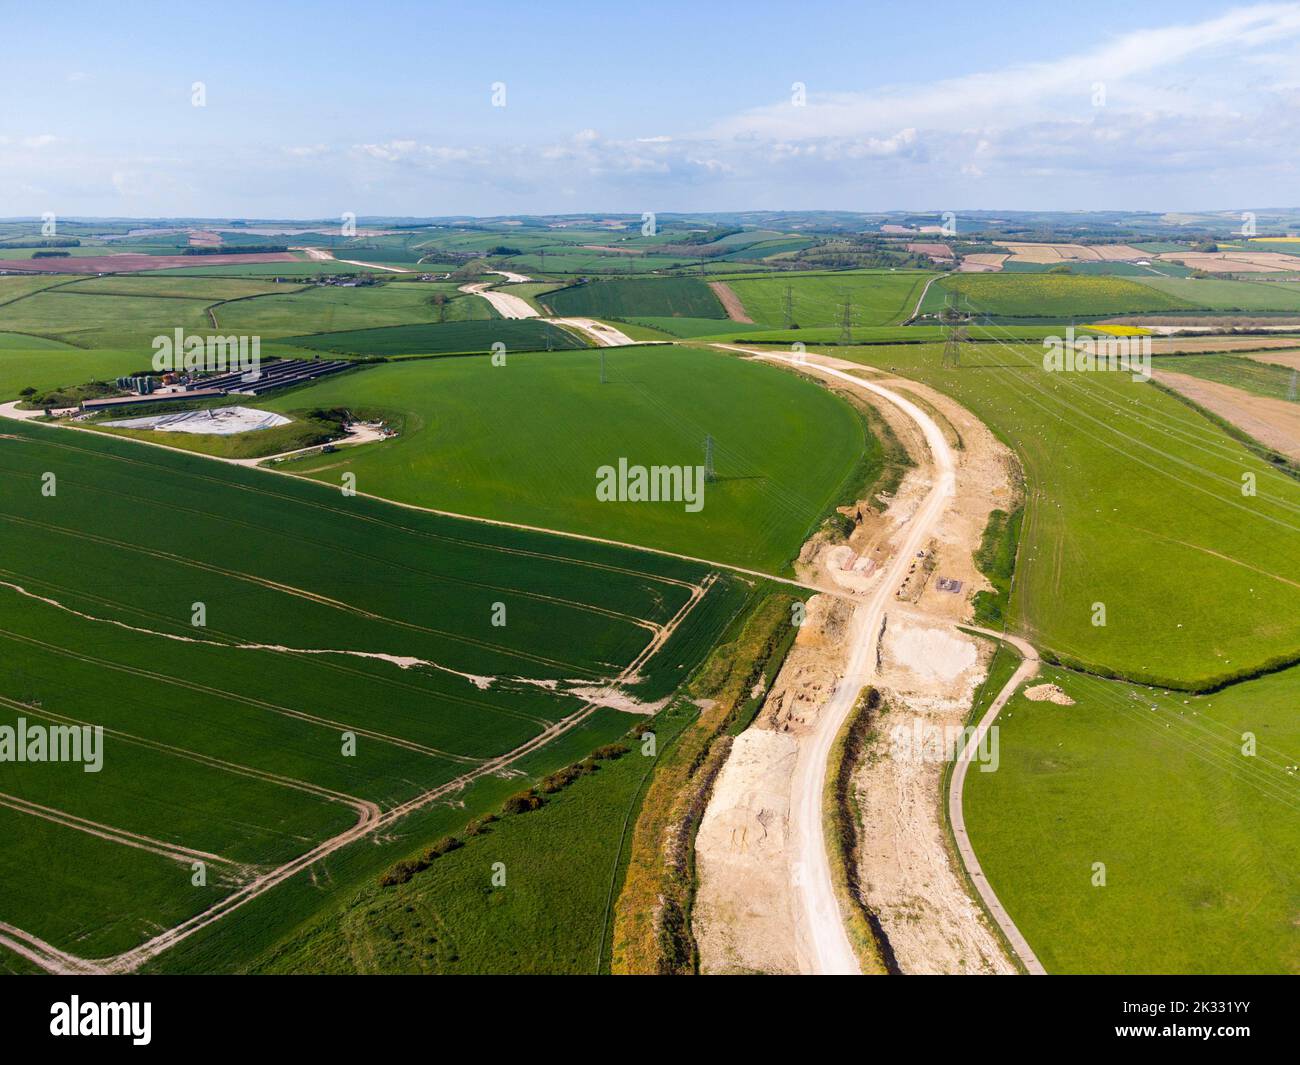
(1258, 378)
(1216, 295)
(27, 342)
(210, 289)
(1053, 295)
(561, 863)
(879, 297)
(523, 334)
(476, 440)
(229, 737)
(329, 310)
(1199, 842)
(689, 328)
(879, 334)
(669, 297)
(100, 321)
(1135, 502)
(42, 368)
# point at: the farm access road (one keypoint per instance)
(820, 942)
(508, 306)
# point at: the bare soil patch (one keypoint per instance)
(730, 302)
(1275, 423)
(1048, 693)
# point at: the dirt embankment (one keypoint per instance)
(928, 674)
(652, 917)
(730, 302)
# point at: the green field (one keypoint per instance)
(27, 342)
(211, 289)
(522, 334)
(17, 287)
(1239, 371)
(1134, 502)
(330, 310)
(1018, 295)
(1217, 295)
(689, 328)
(100, 321)
(561, 869)
(477, 439)
(878, 297)
(669, 297)
(1199, 842)
(228, 738)
(40, 367)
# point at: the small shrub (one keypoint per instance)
(522, 802)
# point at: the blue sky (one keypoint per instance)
(386, 108)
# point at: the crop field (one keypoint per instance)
(1217, 295)
(476, 440)
(328, 691)
(210, 289)
(1239, 371)
(329, 310)
(670, 297)
(879, 297)
(567, 855)
(16, 287)
(36, 366)
(1053, 295)
(296, 268)
(881, 334)
(1136, 504)
(132, 262)
(101, 321)
(1200, 843)
(523, 334)
(688, 328)
(27, 342)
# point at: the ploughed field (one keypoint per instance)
(328, 620)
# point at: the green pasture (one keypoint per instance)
(1199, 842)
(1135, 502)
(521, 334)
(669, 297)
(878, 297)
(1020, 295)
(522, 442)
(227, 736)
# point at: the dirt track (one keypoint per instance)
(730, 302)
(820, 940)
(761, 833)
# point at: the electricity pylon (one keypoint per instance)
(956, 324)
(846, 319)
